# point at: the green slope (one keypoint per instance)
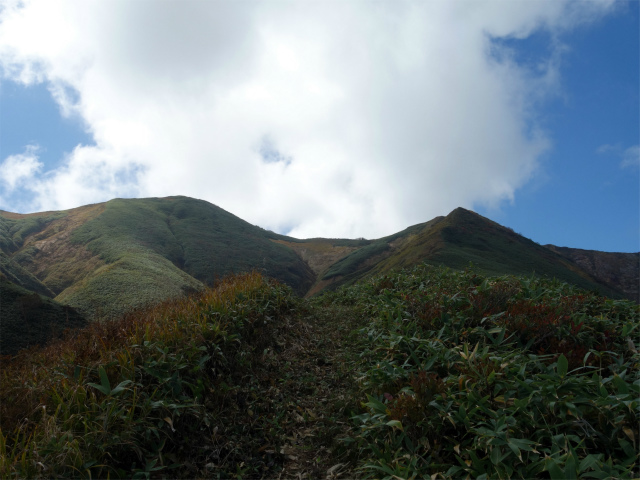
(197, 237)
(15, 273)
(105, 259)
(469, 237)
(461, 238)
(12, 235)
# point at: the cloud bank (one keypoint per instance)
(341, 119)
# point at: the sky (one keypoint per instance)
(331, 118)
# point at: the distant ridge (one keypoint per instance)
(618, 270)
(107, 258)
(461, 238)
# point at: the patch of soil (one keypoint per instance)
(318, 380)
(55, 260)
(319, 256)
(299, 400)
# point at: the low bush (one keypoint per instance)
(142, 395)
(426, 373)
(468, 376)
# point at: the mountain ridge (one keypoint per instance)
(107, 258)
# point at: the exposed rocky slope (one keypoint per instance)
(618, 270)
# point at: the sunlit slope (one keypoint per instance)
(107, 258)
(13, 232)
(460, 238)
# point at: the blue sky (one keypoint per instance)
(386, 119)
(30, 116)
(585, 198)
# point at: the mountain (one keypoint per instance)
(109, 258)
(457, 240)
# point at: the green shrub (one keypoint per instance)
(504, 377)
(140, 395)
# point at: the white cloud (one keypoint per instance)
(631, 157)
(87, 170)
(607, 148)
(385, 113)
(16, 170)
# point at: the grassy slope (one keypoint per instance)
(107, 258)
(31, 319)
(497, 250)
(456, 240)
(367, 259)
(215, 243)
(21, 276)
(425, 373)
(12, 235)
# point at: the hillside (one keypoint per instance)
(424, 373)
(105, 259)
(110, 258)
(457, 240)
(619, 270)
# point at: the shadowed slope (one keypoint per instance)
(31, 319)
(619, 270)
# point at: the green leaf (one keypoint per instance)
(497, 456)
(620, 384)
(384, 468)
(570, 467)
(514, 448)
(587, 463)
(104, 379)
(523, 444)
(626, 446)
(120, 387)
(105, 386)
(376, 405)
(100, 388)
(563, 366)
(395, 424)
(551, 466)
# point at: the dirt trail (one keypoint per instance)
(280, 418)
(317, 384)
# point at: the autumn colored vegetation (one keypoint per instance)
(445, 374)
(139, 396)
(467, 376)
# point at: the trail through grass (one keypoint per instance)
(427, 373)
(314, 363)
